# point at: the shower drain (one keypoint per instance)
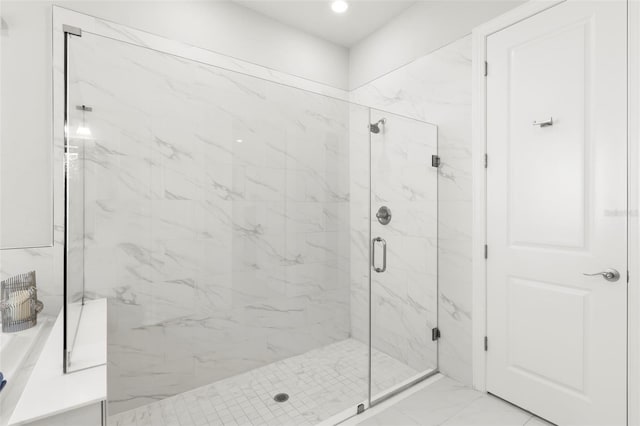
(281, 397)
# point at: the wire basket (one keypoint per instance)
(19, 302)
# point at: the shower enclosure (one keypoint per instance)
(236, 227)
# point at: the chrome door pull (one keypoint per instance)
(545, 123)
(384, 254)
(608, 274)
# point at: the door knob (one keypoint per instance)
(608, 274)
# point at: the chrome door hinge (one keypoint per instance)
(486, 343)
(486, 251)
(435, 161)
(486, 68)
(435, 334)
(486, 160)
(627, 277)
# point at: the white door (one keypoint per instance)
(556, 209)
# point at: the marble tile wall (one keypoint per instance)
(216, 218)
(75, 212)
(437, 88)
(359, 219)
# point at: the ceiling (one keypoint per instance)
(316, 17)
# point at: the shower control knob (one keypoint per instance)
(384, 215)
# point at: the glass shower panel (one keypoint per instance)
(77, 356)
(217, 221)
(403, 251)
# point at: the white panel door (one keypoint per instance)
(556, 209)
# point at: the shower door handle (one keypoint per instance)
(384, 254)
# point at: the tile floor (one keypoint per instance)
(321, 383)
(445, 402)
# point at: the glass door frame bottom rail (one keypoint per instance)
(402, 387)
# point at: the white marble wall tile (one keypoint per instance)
(359, 221)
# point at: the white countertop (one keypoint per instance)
(49, 391)
(14, 347)
(18, 355)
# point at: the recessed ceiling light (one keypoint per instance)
(339, 6)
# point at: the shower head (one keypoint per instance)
(375, 127)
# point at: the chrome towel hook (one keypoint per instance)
(546, 123)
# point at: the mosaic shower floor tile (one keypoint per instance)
(320, 384)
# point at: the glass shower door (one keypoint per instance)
(403, 271)
(214, 211)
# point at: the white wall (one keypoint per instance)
(25, 84)
(232, 30)
(421, 29)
